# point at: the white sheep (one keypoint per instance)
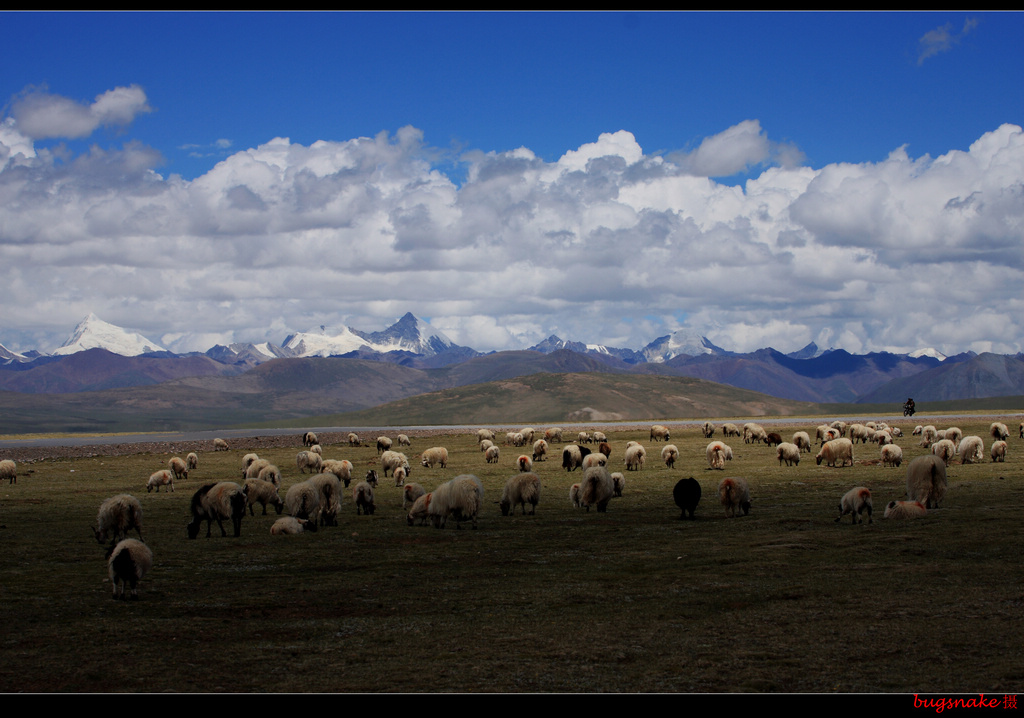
(855, 502)
(670, 454)
(484, 435)
(362, 495)
(216, 502)
(247, 461)
(518, 439)
(972, 449)
(553, 434)
(835, 451)
(597, 488)
(527, 432)
(353, 438)
(595, 458)
(411, 492)
(461, 498)
(660, 433)
(905, 510)
(254, 468)
(492, 454)
(945, 450)
(754, 433)
(707, 429)
(383, 444)
(802, 440)
(302, 501)
(575, 497)
(117, 516)
(734, 495)
(572, 457)
(309, 438)
(540, 448)
(790, 453)
(485, 445)
(258, 491)
(178, 467)
(391, 460)
(520, 490)
(729, 429)
(892, 455)
(270, 473)
(192, 461)
(929, 435)
(291, 526)
(619, 483)
(9, 471)
(635, 457)
(525, 463)
(998, 451)
(127, 563)
(716, 454)
(434, 455)
(999, 431)
(341, 468)
(160, 478)
(404, 440)
(918, 430)
(926, 480)
(220, 445)
(598, 437)
(954, 434)
(329, 487)
(308, 460)
(399, 474)
(420, 510)
(861, 433)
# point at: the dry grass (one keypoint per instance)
(631, 600)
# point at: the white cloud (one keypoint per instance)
(942, 39)
(41, 115)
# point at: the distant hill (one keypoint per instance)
(984, 375)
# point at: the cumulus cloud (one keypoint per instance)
(942, 39)
(606, 245)
(41, 115)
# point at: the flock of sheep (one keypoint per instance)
(316, 501)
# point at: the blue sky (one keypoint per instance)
(807, 91)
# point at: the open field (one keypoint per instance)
(634, 599)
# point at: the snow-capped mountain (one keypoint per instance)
(928, 352)
(410, 334)
(246, 353)
(94, 333)
(6, 355)
(324, 342)
(684, 341)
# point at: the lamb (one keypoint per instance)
(659, 433)
(362, 495)
(707, 429)
(340, 468)
(905, 510)
(353, 438)
(329, 487)
(127, 563)
(575, 497)
(303, 501)
(216, 502)
(596, 488)
(687, 495)
(855, 502)
(434, 455)
(460, 498)
(802, 440)
(117, 516)
(572, 457)
(972, 449)
(399, 475)
(731, 430)
(262, 492)
(540, 448)
(926, 480)
(308, 460)
(309, 438)
(192, 461)
(670, 454)
(420, 509)
(404, 440)
(160, 478)
(525, 463)
(9, 471)
(945, 450)
(998, 451)
(635, 457)
(492, 454)
(734, 494)
(291, 526)
(790, 453)
(411, 492)
(178, 467)
(520, 490)
(619, 482)
(836, 450)
(892, 455)
(716, 454)
(220, 445)
(594, 459)
(391, 460)
(383, 444)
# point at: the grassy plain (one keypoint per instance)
(634, 599)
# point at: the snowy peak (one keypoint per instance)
(323, 342)
(6, 355)
(410, 334)
(94, 333)
(928, 352)
(684, 341)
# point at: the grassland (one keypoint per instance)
(634, 599)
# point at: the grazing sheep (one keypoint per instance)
(404, 440)
(270, 473)
(399, 475)
(929, 435)
(594, 459)
(303, 501)
(734, 494)
(790, 453)
(954, 434)
(329, 487)
(383, 444)
(707, 429)
(192, 461)
(670, 454)
(247, 461)
(636, 455)
(117, 516)
(461, 498)
(835, 451)
(731, 430)
(572, 457)
(583, 437)
(291, 526)
(420, 509)
(527, 433)
(754, 433)
(316, 449)
(178, 467)
(9, 471)
(575, 496)
(485, 445)
(540, 448)
(353, 439)
(892, 455)
(773, 439)
(434, 455)
(525, 463)
(999, 431)
(391, 460)
(216, 502)
(309, 438)
(518, 439)
(362, 495)
(341, 468)
(492, 454)
(917, 430)
(926, 480)
(597, 437)
(553, 434)
(687, 495)
(619, 482)
(258, 491)
(220, 445)
(660, 433)
(861, 433)
(905, 510)
(802, 440)
(255, 467)
(520, 490)
(484, 435)
(308, 460)
(411, 492)
(127, 563)
(596, 488)
(840, 426)
(883, 437)
(855, 502)
(945, 450)
(605, 448)
(160, 478)
(972, 449)
(998, 451)
(716, 454)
